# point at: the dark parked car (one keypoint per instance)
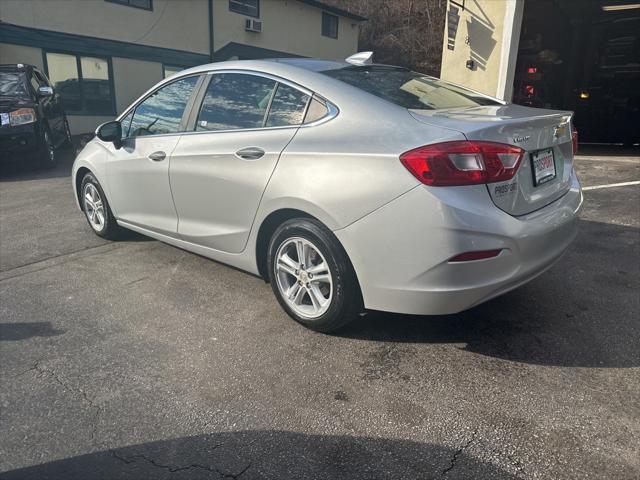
(32, 119)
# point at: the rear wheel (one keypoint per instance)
(96, 209)
(312, 277)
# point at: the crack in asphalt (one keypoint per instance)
(178, 468)
(67, 386)
(458, 452)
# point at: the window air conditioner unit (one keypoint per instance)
(251, 25)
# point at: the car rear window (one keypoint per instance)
(408, 89)
(12, 84)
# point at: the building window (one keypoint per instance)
(168, 70)
(329, 25)
(245, 7)
(85, 83)
(144, 4)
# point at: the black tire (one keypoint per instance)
(47, 155)
(346, 299)
(110, 228)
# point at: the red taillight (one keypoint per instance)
(477, 255)
(463, 163)
(574, 140)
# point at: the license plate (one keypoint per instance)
(544, 166)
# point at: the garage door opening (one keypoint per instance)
(583, 56)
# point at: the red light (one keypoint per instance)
(532, 70)
(530, 90)
(478, 255)
(574, 140)
(463, 163)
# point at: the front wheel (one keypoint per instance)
(96, 209)
(311, 276)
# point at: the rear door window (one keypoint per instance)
(317, 110)
(235, 101)
(162, 111)
(287, 107)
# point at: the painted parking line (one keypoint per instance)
(611, 185)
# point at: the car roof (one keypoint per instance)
(313, 64)
(16, 67)
(298, 63)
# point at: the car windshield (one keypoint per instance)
(408, 89)
(12, 84)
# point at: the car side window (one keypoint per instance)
(42, 80)
(126, 124)
(317, 110)
(162, 111)
(234, 101)
(287, 107)
(34, 83)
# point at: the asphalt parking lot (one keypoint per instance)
(139, 360)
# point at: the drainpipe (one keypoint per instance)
(210, 30)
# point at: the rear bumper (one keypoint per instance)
(400, 252)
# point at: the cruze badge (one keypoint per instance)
(523, 138)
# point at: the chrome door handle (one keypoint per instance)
(250, 153)
(158, 156)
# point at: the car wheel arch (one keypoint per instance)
(80, 174)
(269, 225)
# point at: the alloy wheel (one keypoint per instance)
(303, 277)
(94, 207)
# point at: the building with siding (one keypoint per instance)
(102, 54)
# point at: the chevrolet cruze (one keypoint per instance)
(346, 185)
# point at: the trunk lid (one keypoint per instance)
(539, 132)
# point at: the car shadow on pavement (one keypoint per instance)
(23, 331)
(581, 313)
(269, 454)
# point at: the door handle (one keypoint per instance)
(250, 153)
(158, 156)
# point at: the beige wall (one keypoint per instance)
(487, 32)
(177, 24)
(288, 26)
(132, 78)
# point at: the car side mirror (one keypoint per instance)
(110, 132)
(45, 92)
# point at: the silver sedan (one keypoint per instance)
(346, 185)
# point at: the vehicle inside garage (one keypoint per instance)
(583, 56)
